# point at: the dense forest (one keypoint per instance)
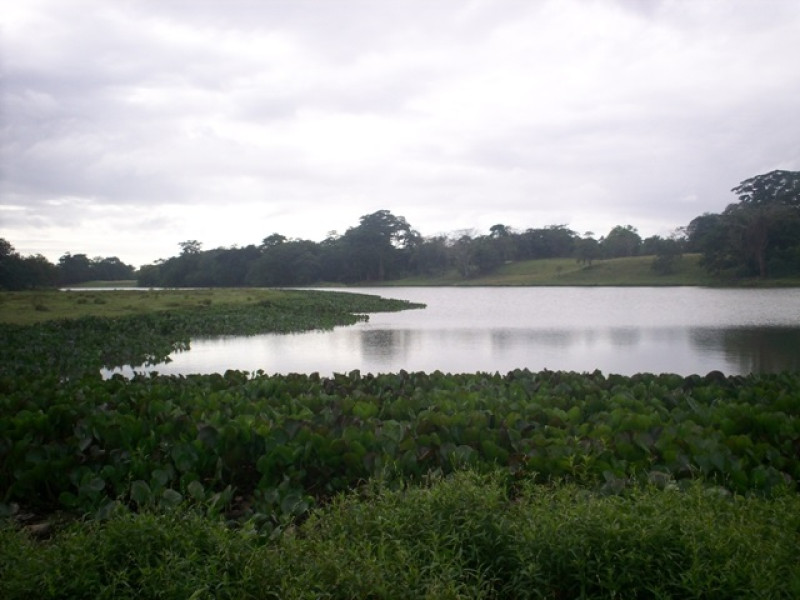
(29, 272)
(757, 236)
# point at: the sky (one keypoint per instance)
(129, 126)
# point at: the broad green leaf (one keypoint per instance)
(196, 490)
(171, 498)
(140, 492)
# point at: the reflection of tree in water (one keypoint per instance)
(753, 349)
(625, 336)
(554, 338)
(385, 345)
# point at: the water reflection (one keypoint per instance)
(467, 330)
(753, 350)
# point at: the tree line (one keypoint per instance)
(757, 236)
(19, 272)
(383, 247)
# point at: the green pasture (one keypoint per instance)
(633, 271)
(630, 271)
(23, 308)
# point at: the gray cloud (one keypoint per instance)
(128, 127)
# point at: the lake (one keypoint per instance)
(465, 329)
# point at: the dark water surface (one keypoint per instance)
(616, 330)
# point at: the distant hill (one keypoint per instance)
(631, 271)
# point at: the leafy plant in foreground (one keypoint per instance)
(273, 446)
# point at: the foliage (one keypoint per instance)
(668, 252)
(465, 536)
(23, 273)
(621, 241)
(32, 272)
(282, 443)
(758, 235)
(78, 268)
(587, 249)
(384, 247)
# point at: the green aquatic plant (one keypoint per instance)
(285, 442)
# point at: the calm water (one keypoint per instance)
(616, 330)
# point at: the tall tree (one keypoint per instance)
(377, 245)
(110, 268)
(587, 249)
(503, 242)
(767, 203)
(190, 247)
(20, 273)
(622, 241)
(757, 234)
(548, 242)
(74, 268)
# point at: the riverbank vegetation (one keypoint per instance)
(316, 309)
(756, 239)
(73, 334)
(466, 536)
(480, 485)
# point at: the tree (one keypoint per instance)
(622, 241)
(183, 270)
(462, 251)
(190, 247)
(9, 266)
(499, 231)
(272, 240)
(668, 252)
(773, 188)
(587, 249)
(110, 268)
(288, 263)
(74, 268)
(486, 256)
(708, 235)
(431, 256)
(377, 246)
(21, 273)
(766, 204)
(503, 242)
(757, 234)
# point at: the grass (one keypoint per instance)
(466, 536)
(631, 271)
(25, 308)
(635, 271)
(118, 283)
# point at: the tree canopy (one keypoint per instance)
(757, 236)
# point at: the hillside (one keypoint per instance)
(567, 271)
(630, 271)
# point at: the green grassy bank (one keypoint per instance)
(26, 308)
(632, 271)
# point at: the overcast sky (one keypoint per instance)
(129, 126)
